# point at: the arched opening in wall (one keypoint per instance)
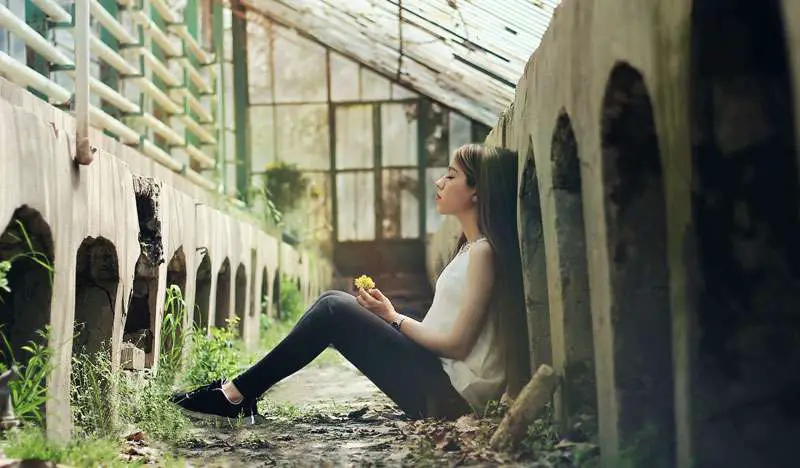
(222, 309)
(745, 207)
(276, 294)
(140, 321)
(202, 294)
(534, 265)
(635, 209)
(263, 298)
(241, 296)
(26, 282)
(578, 396)
(175, 313)
(96, 283)
(176, 271)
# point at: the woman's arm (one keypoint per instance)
(458, 343)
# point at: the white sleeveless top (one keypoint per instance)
(481, 376)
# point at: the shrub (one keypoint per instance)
(214, 355)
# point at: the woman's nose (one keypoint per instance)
(438, 182)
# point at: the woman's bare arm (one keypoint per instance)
(458, 343)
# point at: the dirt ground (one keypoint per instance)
(333, 416)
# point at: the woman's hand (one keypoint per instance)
(374, 301)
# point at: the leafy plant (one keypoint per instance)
(214, 355)
(291, 301)
(271, 212)
(285, 184)
(5, 267)
(29, 388)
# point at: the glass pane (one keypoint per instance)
(460, 131)
(303, 136)
(400, 210)
(436, 136)
(299, 68)
(258, 54)
(313, 216)
(399, 135)
(354, 139)
(373, 86)
(355, 194)
(432, 218)
(344, 78)
(262, 137)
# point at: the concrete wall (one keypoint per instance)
(62, 205)
(657, 145)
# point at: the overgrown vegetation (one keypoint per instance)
(214, 355)
(30, 443)
(28, 389)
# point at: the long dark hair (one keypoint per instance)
(492, 171)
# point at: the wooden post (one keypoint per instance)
(527, 406)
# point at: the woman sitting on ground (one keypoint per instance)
(454, 359)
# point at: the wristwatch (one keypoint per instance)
(398, 321)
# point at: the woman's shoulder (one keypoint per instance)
(481, 251)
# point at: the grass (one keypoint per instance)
(30, 443)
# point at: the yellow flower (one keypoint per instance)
(365, 282)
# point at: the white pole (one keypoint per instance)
(83, 153)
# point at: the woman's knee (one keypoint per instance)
(338, 303)
(332, 292)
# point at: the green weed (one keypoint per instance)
(29, 388)
(173, 337)
(30, 442)
(92, 381)
(214, 355)
(5, 267)
(291, 300)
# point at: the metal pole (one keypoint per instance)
(83, 154)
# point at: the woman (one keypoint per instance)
(453, 359)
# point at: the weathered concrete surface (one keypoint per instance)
(98, 201)
(725, 108)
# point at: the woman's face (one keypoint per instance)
(453, 195)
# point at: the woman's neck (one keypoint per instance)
(469, 226)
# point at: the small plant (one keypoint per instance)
(214, 355)
(29, 389)
(92, 380)
(173, 337)
(5, 267)
(271, 212)
(291, 300)
(143, 404)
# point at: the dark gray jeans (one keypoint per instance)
(409, 374)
